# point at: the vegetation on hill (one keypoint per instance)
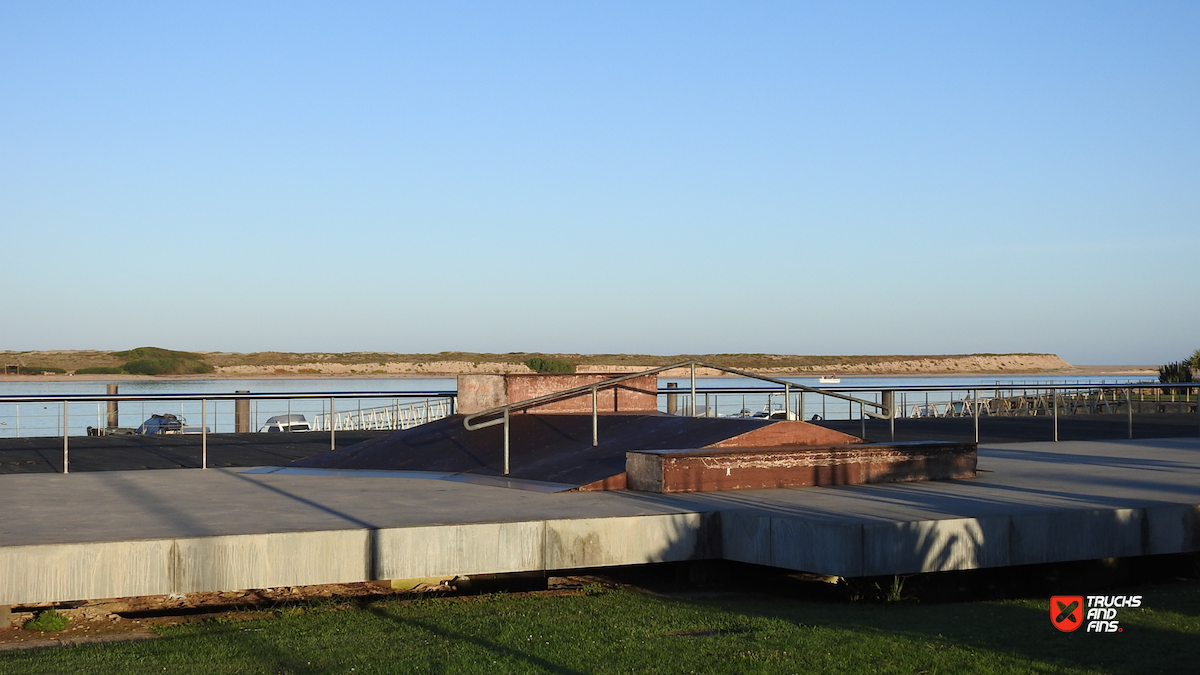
(139, 361)
(167, 366)
(159, 361)
(39, 370)
(543, 365)
(744, 361)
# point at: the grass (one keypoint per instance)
(167, 366)
(623, 632)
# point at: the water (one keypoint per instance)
(45, 419)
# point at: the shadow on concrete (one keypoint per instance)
(44, 454)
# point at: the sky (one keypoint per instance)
(602, 177)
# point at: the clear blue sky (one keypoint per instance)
(598, 177)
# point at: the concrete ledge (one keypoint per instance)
(704, 470)
(65, 572)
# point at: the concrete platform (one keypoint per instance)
(124, 533)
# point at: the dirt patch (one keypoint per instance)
(128, 619)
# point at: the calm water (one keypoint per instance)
(43, 419)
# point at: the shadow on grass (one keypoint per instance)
(1019, 629)
(497, 649)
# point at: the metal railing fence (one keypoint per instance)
(922, 401)
(239, 412)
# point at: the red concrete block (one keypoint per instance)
(704, 470)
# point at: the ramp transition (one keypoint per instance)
(557, 448)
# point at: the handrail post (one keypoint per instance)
(1054, 405)
(595, 423)
(888, 398)
(975, 406)
(862, 420)
(65, 458)
(203, 433)
(693, 411)
(1129, 402)
(787, 402)
(506, 441)
(332, 424)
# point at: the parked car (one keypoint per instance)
(280, 423)
(162, 424)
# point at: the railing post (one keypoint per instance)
(203, 433)
(888, 399)
(862, 420)
(1054, 405)
(1129, 402)
(693, 411)
(332, 424)
(800, 412)
(65, 458)
(506, 441)
(787, 402)
(975, 406)
(595, 416)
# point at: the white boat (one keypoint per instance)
(830, 379)
(282, 423)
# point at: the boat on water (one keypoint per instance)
(285, 423)
(830, 379)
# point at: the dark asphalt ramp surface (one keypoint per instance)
(555, 448)
(44, 454)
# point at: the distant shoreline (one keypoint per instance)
(1115, 371)
(376, 365)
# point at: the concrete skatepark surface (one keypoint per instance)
(121, 453)
(125, 533)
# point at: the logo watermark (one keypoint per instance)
(1093, 613)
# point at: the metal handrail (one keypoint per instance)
(502, 413)
(973, 403)
(66, 399)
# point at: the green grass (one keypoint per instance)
(624, 632)
(167, 366)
